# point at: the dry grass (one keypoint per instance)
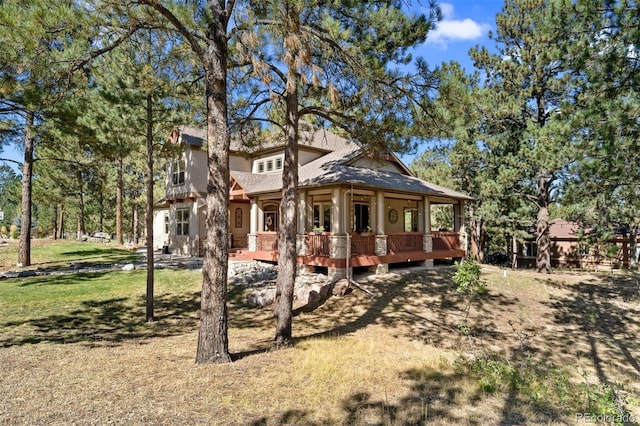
(356, 361)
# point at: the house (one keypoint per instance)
(354, 211)
(571, 248)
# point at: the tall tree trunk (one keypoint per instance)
(633, 244)
(149, 210)
(288, 219)
(61, 222)
(134, 224)
(478, 235)
(54, 222)
(101, 203)
(543, 258)
(81, 228)
(514, 252)
(24, 255)
(119, 190)
(213, 341)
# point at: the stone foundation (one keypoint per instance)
(335, 274)
(301, 244)
(381, 245)
(252, 242)
(380, 269)
(338, 247)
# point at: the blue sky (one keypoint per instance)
(464, 24)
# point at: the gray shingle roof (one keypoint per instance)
(331, 168)
(319, 139)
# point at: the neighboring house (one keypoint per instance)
(571, 249)
(353, 211)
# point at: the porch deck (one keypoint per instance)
(401, 248)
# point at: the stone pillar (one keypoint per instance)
(381, 245)
(301, 244)
(427, 247)
(338, 249)
(252, 242)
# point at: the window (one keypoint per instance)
(529, 249)
(182, 222)
(269, 164)
(270, 218)
(177, 172)
(322, 216)
(584, 249)
(166, 223)
(238, 218)
(410, 220)
(360, 217)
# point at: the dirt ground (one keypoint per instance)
(357, 360)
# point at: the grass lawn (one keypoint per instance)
(541, 349)
(54, 254)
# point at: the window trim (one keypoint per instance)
(320, 221)
(270, 164)
(182, 222)
(178, 172)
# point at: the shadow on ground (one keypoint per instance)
(109, 321)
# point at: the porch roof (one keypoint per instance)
(333, 168)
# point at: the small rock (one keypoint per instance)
(341, 287)
(321, 278)
(264, 297)
(128, 267)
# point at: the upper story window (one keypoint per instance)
(177, 172)
(268, 164)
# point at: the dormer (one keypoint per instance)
(268, 165)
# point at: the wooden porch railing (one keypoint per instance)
(446, 240)
(401, 242)
(318, 245)
(362, 245)
(267, 241)
(365, 245)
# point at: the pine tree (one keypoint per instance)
(531, 87)
(327, 63)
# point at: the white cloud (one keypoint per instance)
(451, 29)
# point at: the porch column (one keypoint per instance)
(379, 225)
(339, 213)
(381, 238)
(427, 238)
(457, 217)
(301, 241)
(339, 240)
(427, 215)
(461, 227)
(253, 226)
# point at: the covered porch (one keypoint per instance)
(345, 227)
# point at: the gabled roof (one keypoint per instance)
(334, 168)
(320, 140)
